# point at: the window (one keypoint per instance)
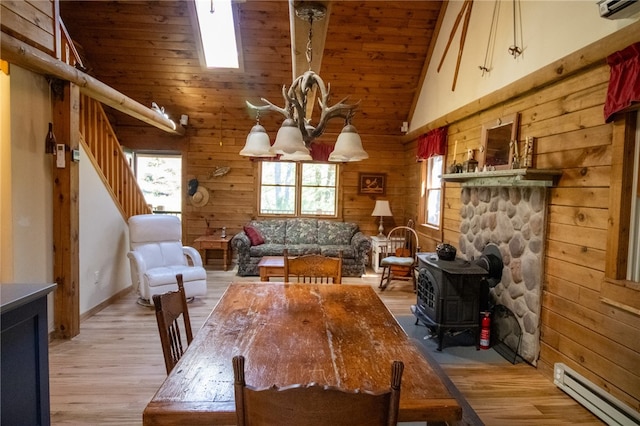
(633, 268)
(298, 189)
(217, 33)
(621, 287)
(160, 178)
(431, 194)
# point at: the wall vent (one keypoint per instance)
(608, 408)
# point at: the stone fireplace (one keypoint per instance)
(513, 218)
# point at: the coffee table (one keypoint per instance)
(271, 266)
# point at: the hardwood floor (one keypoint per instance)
(107, 374)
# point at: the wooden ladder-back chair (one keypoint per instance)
(313, 269)
(169, 307)
(315, 405)
(399, 259)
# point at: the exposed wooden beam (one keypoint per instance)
(19, 53)
(299, 39)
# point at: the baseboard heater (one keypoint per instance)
(607, 407)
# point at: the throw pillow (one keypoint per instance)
(254, 235)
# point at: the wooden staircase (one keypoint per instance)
(102, 146)
(105, 153)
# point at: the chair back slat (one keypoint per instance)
(313, 269)
(315, 405)
(169, 308)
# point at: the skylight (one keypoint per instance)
(217, 31)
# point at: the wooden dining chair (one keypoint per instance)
(313, 268)
(169, 307)
(315, 405)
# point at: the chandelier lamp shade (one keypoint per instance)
(297, 132)
(381, 209)
(348, 146)
(257, 144)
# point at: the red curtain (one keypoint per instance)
(320, 151)
(624, 81)
(432, 143)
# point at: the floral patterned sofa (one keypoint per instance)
(270, 237)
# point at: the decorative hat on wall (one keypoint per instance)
(200, 198)
(192, 187)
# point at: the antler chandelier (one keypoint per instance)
(297, 132)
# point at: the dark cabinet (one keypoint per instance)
(24, 354)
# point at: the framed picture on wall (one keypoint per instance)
(372, 183)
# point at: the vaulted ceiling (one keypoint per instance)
(374, 52)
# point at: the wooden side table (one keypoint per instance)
(211, 242)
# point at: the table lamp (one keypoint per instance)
(381, 209)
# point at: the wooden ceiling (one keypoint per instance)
(374, 52)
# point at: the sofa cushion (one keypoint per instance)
(278, 249)
(254, 235)
(348, 251)
(273, 231)
(336, 233)
(301, 231)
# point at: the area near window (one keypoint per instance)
(430, 212)
(160, 179)
(298, 189)
(621, 286)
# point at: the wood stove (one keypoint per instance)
(451, 294)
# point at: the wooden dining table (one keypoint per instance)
(336, 335)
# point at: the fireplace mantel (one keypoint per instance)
(511, 177)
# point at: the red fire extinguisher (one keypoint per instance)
(485, 331)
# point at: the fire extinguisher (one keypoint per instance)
(485, 331)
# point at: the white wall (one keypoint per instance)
(550, 31)
(31, 182)
(27, 232)
(27, 189)
(6, 229)
(104, 241)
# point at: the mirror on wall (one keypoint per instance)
(496, 149)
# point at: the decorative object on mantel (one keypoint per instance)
(219, 171)
(297, 133)
(527, 156)
(381, 209)
(471, 165)
(496, 147)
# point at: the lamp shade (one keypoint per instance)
(289, 139)
(257, 144)
(348, 146)
(382, 208)
(297, 156)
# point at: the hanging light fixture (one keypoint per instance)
(297, 132)
(257, 144)
(348, 146)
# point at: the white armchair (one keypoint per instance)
(157, 255)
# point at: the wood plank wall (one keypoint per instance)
(566, 118)
(31, 22)
(234, 196)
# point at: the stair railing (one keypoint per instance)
(105, 152)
